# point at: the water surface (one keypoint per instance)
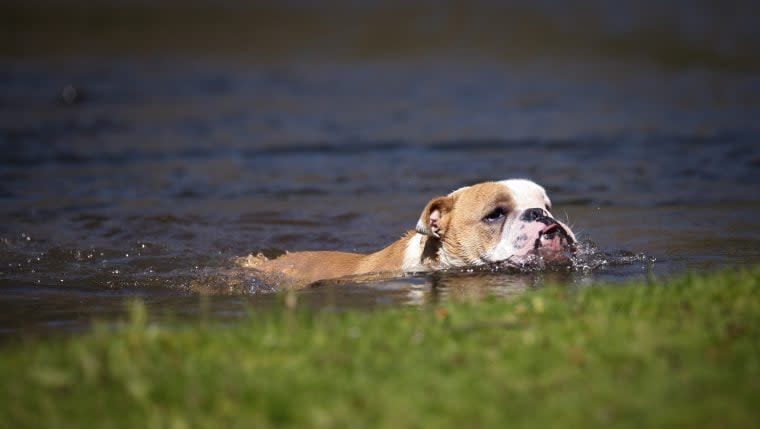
(135, 176)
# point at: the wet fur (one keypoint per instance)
(451, 232)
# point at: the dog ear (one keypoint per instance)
(435, 218)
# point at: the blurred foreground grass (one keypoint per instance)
(683, 353)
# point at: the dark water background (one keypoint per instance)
(143, 148)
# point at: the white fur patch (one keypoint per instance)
(527, 193)
(421, 227)
(413, 255)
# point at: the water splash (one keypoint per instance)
(589, 258)
(585, 258)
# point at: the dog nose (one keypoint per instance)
(533, 214)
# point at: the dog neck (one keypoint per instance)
(414, 252)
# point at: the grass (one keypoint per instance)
(685, 353)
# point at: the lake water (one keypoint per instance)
(134, 176)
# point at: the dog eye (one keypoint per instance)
(494, 215)
(548, 208)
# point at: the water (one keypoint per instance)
(132, 176)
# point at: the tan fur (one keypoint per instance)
(307, 267)
(468, 237)
(451, 232)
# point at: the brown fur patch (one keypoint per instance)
(469, 238)
(465, 239)
(426, 225)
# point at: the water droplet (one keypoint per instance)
(69, 94)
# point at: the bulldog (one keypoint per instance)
(509, 221)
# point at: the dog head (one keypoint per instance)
(506, 221)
